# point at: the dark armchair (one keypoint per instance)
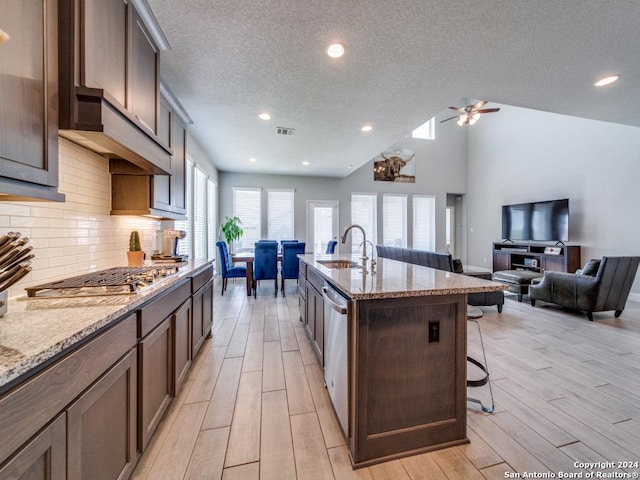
(227, 269)
(607, 289)
(290, 267)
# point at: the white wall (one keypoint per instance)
(440, 169)
(521, 155)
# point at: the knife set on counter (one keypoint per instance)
(15, 263)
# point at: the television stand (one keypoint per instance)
(532, 257)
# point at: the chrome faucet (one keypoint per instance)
(343, 239)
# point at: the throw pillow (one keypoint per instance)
(457, 266)
(591, 267)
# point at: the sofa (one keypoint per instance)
(440, 261)
(601, 285)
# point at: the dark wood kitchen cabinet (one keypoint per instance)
(29, 93)
(168, 192)
(161, 355)
(101, 426)
(109, 77)
(43, 458)
(315, 313)
(202, 301)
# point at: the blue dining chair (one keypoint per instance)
(227, 269)
(265, 264)
(289, 268)
(331, 246)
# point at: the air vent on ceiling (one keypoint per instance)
(285, 131)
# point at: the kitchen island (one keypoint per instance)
(405, 351)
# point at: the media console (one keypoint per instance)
(535, 257)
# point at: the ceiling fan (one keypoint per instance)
(471, 113)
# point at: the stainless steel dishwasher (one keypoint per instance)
(336, 309)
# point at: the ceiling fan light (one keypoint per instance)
(461, 121)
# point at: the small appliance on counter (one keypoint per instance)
(170, 240)
(15, 263)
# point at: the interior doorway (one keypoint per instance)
(322, 224)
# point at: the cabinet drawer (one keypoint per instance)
(30, 406)
(315, 279)
(153, 313)
(200, 279)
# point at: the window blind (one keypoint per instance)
(364, 212)
(394, 218)
(424, 231)
(185, 245)
(212, 218)
(280, 214)
(247, 207)
(200, 215)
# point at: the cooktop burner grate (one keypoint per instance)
(112, 281)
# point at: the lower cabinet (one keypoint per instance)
(314, 323)
(182, 344)
(155, 386)
(202, 301)
(101, 426)
(43, 458)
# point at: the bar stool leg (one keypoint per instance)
(483, 381)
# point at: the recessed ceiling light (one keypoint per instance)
(264, 116)
(305, 163)
(335, 50)
(609, 79)
(349, 166)
(367, 128)
(253, 160)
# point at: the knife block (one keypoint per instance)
(4, 302)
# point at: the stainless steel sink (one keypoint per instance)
(339, 264)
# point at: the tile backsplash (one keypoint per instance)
(78, 235)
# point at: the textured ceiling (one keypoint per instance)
(405, 62)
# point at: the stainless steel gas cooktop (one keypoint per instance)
(113, 281)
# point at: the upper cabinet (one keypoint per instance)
(109, 80)
(29, 93)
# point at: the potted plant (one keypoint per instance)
(135, 255)
(231, 230)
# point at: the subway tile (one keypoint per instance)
(12, 209)
(26, 222)
(46, 212)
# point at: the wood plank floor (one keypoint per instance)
(254, 407)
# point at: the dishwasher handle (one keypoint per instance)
(338, 308)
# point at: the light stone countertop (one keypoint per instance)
(36, 329)
(395, 279)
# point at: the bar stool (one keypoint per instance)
(473, 313)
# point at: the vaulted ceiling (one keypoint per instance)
(405, 62)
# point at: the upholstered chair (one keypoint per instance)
(227, 269)
(289, 267)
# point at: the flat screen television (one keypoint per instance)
(536, 221)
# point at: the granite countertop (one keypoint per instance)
(37, 329)
(395, 279)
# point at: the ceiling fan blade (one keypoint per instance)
(480, 104)
(461, 110)
(451, 118)
(487, 110)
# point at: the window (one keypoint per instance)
(394, 218)
(200, 218)
(247, 207)
(280, 214)
(426, 131)
(424, 231)
(364, 212)
(185, 246)
(212, 218)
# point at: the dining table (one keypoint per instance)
(248, 258)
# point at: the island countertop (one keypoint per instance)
(395, 279)
(34, 330)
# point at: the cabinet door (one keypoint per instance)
(144, 100)
(179, 166)
(161, 183)
(156, 378)
(182, 344)
(43, 458)
(198, 329)
(29, 92)
(101, 426)
(554, 263)
(208, 308)
(501, 261)
(104, 48)
(310, 320)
